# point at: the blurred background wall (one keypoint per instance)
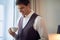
(50, 10)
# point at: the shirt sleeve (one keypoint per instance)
(40, 26)
(16, 36)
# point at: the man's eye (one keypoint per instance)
(22, 8)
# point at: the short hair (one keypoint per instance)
(25, 2)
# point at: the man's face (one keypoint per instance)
(23, 8)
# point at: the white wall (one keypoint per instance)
(50, 9)
(53, 11)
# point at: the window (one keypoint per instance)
(6, 18)
(1, 21)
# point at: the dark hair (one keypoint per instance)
(25, 2)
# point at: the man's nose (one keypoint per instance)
(20, 10)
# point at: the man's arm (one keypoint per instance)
(43, 33)
(40, 26)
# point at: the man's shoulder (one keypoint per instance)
(38, 17)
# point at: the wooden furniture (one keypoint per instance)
(54, 36)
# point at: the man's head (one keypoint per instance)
(23, 6)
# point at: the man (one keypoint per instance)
(33, 25)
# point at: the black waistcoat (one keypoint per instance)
(28, 33)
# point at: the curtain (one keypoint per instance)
(39, 6)
(10, 17)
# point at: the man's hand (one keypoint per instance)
(11, 32)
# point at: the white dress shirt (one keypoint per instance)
(39, 25)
